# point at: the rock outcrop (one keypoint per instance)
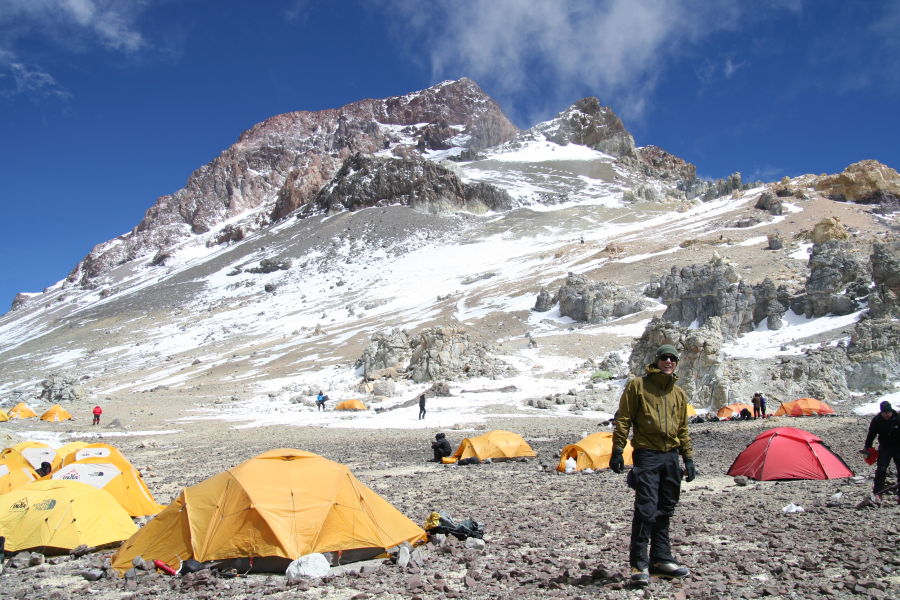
(864, 182)
(365, 181)
(283, 162)
(884, 300)
(837, 281)
(435, 354)
(60, 388)
(596, 302)
(590, 124)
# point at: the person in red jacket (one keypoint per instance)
(97, 412)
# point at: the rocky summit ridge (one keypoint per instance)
(423, 238)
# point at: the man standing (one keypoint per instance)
(886, 425)
(97, 412)
(656, 409)
(422, 406)
(756, 404)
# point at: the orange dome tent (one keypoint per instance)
(15, 471)
(354, 404)
(21, 411)
(592, 452)
(496, 445)
(56, 413)
(35, 453)
(279, 505)
(803, 407)
(104, 467)
(731, 410)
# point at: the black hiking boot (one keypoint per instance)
(640, 577)
(669, 570)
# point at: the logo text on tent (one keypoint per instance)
(47, 504)
(73, 475)
(20, 505)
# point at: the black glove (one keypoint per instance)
(616, 462)
(690, 470)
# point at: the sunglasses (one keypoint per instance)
(669, 358)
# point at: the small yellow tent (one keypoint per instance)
(283, 503)
(56, 413)
(15, 472)
(496, 444)
(3, 416)
(35, 453)
(353, 404)
(592, 452)
(104, 467)
(691, 411)
(56, 516)
(21, 411)
(63, 451)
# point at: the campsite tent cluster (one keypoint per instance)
(21, 410)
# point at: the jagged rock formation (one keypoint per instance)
(60, 388)
(837, 281)
(591, 124)
(436, 354)
(284, 161)
(884, 300)
(596, 302)
(364, 181)
(658, 163)
(545, 300)
(770, 203)
(864, 182)
(697, 293)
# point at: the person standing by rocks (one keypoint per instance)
(756, 405)
(885, 425)
(320, 401)
(655, 408)
(422, 406)
(97, 412)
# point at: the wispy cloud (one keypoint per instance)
(618, 48)
(73, 25)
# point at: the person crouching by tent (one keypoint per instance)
(441, 448)
(44, 469)
(885, 425)
(655, 407)
(97, 412)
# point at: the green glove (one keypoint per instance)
(690, 470)
(616, 462)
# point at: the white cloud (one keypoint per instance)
(618, 48)
(75, 25)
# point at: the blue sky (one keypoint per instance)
(106, 105)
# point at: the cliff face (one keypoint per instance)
(283, 162)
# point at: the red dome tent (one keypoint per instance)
(788, 453)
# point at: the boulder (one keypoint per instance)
(770, 203)
(61, 388)
(545, 301)
(864, 182)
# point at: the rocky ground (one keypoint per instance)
(547, 535)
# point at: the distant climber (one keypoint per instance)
(97, 412)
(441, 447)
(321, 399)
(756, 405)
(422, 406)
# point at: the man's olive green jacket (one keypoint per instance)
(655, 407)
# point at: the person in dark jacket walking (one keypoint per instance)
(885, 425)
(422, 406)
(441, 447)
(655, 408)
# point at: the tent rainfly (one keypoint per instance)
(35, 453)
(353, 404)
(56, 413)
(731, 410)
(496, 445)
(592, 452)
(273, 508)
(21, 411)
(788, 453)
(15, 471)
(803, 407)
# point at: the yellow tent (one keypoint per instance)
(283, 503)
(15, 472)
(35, 453)
(691, 411)
(56, 516)
(21, 411)
(496, 444)
(63, 451)
(353, 404)
(56, 413)
(104, 467)
(592, 452)
(3, 416)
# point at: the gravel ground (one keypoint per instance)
(547, 535)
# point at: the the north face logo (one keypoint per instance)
(45, 504)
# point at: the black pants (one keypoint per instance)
(421, 412)
(885, 455)
(96, 420)
(656, 479)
